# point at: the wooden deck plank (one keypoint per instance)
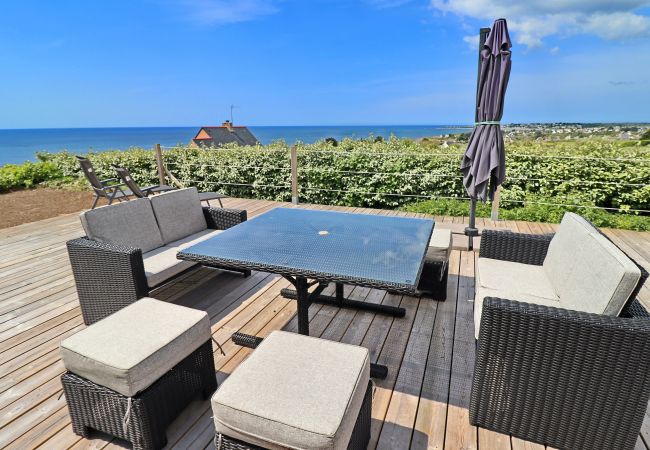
(459, 433)
(422, 404)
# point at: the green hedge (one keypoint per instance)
(397, 172)
(371, 171)
(27, 175)
(533, 213)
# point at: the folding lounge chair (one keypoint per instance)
(109, 188)
(144, 192)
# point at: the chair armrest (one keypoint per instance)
(515, 247)
(223, 218)
(564, 378)
(108, 276)
(108, 180)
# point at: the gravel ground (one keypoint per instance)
(31, 205)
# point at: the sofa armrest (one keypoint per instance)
(108, 276)
(515, 247)
(564, 378)
(223, 218)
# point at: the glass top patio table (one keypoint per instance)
(385, 252)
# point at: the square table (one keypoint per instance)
(384, 252)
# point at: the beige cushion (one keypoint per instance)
(131, 349)
(294, 391)
(513, 281)
(179, 214)
(195, 238)
(439, 245)
(129, 223)
(161, 264)
(589, 273)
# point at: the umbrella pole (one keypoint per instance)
(471, 231)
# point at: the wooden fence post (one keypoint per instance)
(161, 166)
(294, 175)
(495, 204)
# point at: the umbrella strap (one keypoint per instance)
(488, 122)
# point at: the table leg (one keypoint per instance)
(341, 302)
(301, 294)
(302, 297)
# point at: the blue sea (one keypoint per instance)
(17, 146)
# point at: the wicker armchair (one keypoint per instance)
(562, 378)
(110, 276)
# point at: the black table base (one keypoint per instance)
(339, 301)
(305, 298)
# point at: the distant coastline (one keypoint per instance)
(21, 145)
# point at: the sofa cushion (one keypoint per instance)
(195, 238)
(132, 348)
(161, 264)
(294, 391)
(440, 245)
(129, 223)
(588, 272)
(179, 214)
(513, 281)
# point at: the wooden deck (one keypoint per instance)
(430, 352)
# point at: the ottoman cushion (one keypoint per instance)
(132, 348)
(294, 391)
(439, 245)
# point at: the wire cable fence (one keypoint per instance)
(269, 173)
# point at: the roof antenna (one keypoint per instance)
(231, 117)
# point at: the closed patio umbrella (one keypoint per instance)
(484, 162)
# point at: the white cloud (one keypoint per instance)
(534, 20)
(472, 41)
(216, 12)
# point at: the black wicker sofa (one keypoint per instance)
(563, 350)
(130, 248)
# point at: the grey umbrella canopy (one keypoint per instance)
(484, 162)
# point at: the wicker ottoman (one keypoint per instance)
(131, 374)
(433, 280)
(296, 392)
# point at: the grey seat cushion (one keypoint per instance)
(129, 223)
(514, 281)
(195, 238)
(179, 214)
(589, 273)
(440, 245)
(161, 264)
(294, 391)
(131, 349)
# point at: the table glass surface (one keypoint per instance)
(362, 246)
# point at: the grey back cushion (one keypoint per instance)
(179, 214)
(588, 272)
(129, 223)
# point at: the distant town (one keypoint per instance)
(558, 132)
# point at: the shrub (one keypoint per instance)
(396, 172)
(26, 175)
(533, 212)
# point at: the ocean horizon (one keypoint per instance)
(20, 145)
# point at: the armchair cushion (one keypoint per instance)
(179, 214)
(132, 224)
(588, 272)
(526, 283)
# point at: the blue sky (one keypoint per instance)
(75, 63)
